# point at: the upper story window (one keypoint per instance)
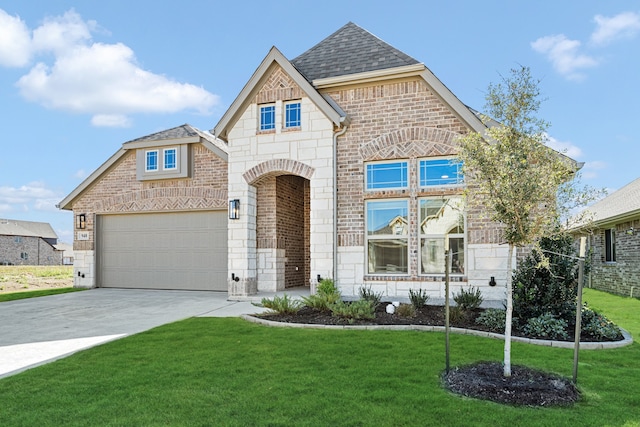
(161, 162)
(292, 115)
(437, 172)
(610, 245)
(386, 175)
(151, 161)
(17, 239)
(170, 157)
(267, 117)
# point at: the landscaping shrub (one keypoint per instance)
(546, 326)
(598, 326)
(468, 299)
(326, 294)
(418, 299)
(546, 282)
(406, 310)
(361, 309)
(283, 304)
(492, 318)
(367, 294)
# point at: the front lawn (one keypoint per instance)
(212, 371)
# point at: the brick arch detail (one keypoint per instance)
(164, 199)
(277, 167)
(410, 142)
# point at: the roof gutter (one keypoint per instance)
(335, 200)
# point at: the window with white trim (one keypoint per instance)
(387, 236)
(441, 219)
(610, 245)
(267, 117)
(292, 114)
(440, 171)
(386, 175)
(170, 159)
(151, 162)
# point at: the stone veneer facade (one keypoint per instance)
(394, 119)
(119, 191)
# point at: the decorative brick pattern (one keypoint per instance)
(277, 167)
(278, 87)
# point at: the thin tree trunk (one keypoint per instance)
(509, 316)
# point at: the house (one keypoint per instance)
(614, 242)
(28, 243)
(339, 163)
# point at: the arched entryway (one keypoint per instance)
(282, 231)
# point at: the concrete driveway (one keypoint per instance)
(38, 330)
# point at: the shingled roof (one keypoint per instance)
(618, 206)
(349, 50)
(12, 227)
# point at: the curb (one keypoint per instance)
(627, 340)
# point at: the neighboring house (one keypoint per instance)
(67, 253)
(614, 240)
(337, 164)
(28, 243)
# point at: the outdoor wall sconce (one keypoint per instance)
(234, 209)
(319, 278)
(234, 277)
(492, 281)
(81, 221)
(630, 231)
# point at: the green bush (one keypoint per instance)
(598, 326)
(406, 310)
(546, 326)
(418, 299)
(326, 294)
(361, 309)
(367, 294)
(493, 318)
(469, 299)
(283, 304)
(546, 281)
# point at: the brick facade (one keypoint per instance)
(28, 250)
(119, 191)
(621, 277)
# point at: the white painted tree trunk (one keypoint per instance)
(509, 315)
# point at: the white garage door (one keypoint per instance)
(186, 250)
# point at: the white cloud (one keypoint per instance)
(111, 120)
(15, 41)
(590, 169)
(88, 77)
(34, 195)
(80, 174)
(564, 55)
(623, 25)
(564, 147)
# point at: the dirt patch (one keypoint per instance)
(525, 386)
(20, 279)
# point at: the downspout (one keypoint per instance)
(335, 201)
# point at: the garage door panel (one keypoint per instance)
(163, 251)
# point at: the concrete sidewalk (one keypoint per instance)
(39, 330)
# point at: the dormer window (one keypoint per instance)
(151, 161)
(163, 162)
(169, 159)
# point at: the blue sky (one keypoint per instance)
(79, 78)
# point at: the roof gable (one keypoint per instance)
(331, 110)
(350, 50)
(184, 134)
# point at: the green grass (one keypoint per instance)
(48, 271)
(227, 372)
(32, 294)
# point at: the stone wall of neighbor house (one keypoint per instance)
(621, 277)
(403, 119)
(254, 157)
(28, 250)
(119, 191)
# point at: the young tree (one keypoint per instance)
(512, 173)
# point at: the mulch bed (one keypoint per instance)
(484, 380)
